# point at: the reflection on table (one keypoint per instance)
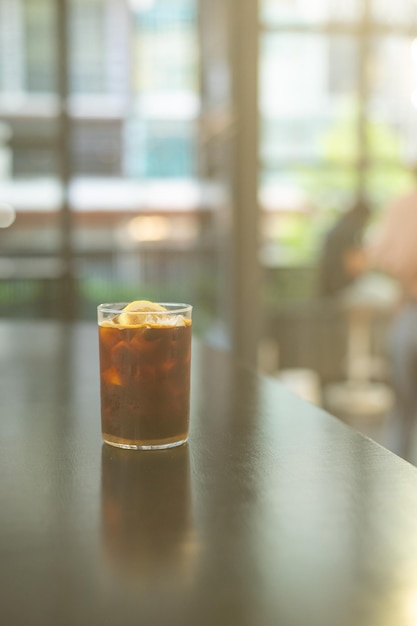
(147, 532)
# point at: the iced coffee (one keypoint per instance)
(145, 353)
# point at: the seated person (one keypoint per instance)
(343, 258)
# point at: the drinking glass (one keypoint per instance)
(145, 375)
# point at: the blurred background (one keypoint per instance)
(199, 151)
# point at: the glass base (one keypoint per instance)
(161, 446)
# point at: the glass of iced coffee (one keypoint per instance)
(145, 355)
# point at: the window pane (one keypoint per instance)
(33, 162)
(88, 50)
(28, 158)
(97, 147)
(400, 11)
(11, 48)
(27, 44)
(308, 11)
(168, 145)
(165, 54)
(308, 97)
(299, 188)
(386, 183)
(40, 45)
(392, 105)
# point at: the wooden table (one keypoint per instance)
(274, 514)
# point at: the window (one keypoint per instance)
(338, 109)
(131, 121)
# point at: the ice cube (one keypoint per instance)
(168, 320)
(179, 320)
(152, 319)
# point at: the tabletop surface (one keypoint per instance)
(274, 513)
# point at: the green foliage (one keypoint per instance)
(384, 184)
(331, 186)
(340, 142)
(285, 286)
(18, 296)
(297, 239)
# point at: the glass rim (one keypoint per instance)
(117, 307)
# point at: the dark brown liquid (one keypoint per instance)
(145, 384)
